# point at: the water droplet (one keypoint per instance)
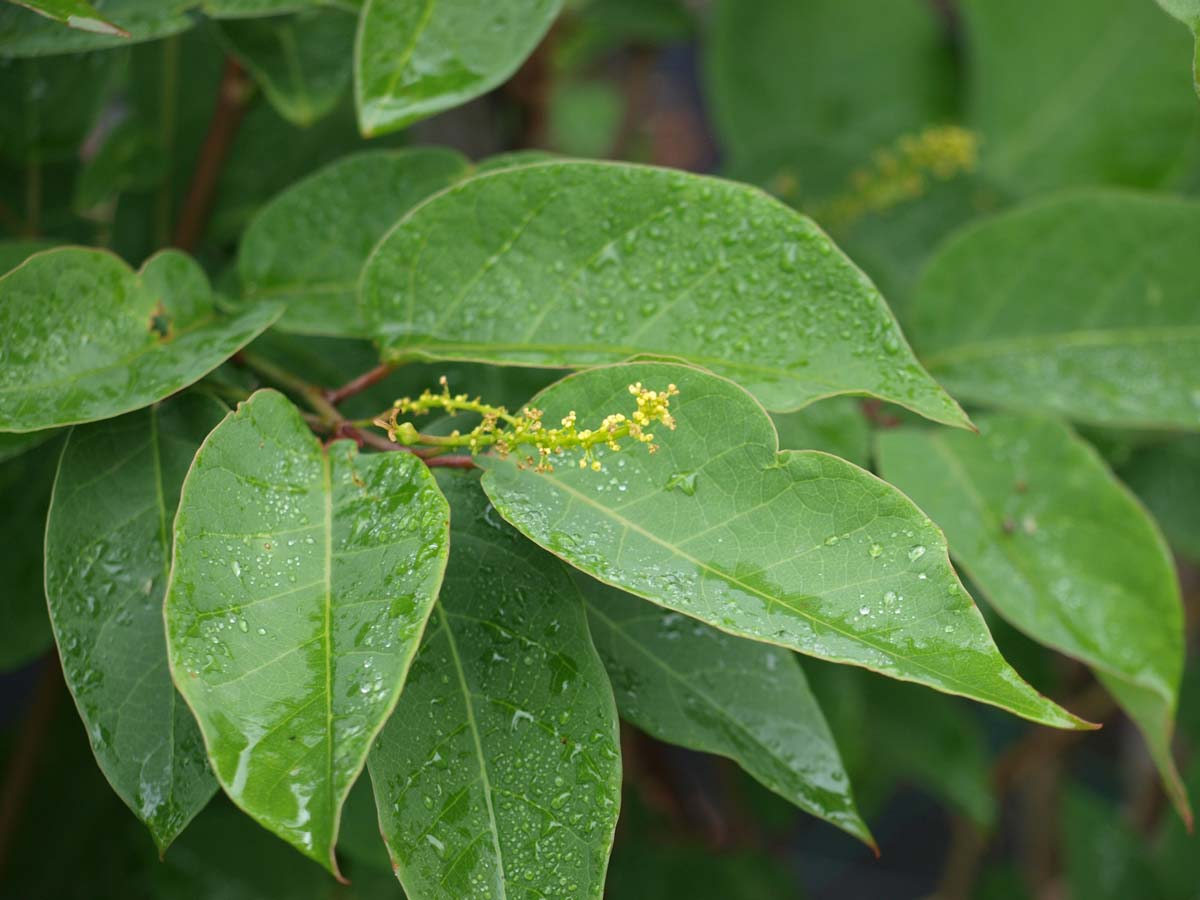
(683, 481)
(876, 551)
(916, 552)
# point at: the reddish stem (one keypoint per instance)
(450, 462)
(222, 129)
(360, 384)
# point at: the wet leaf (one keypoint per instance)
(574, 263)
(837, 426)
(108, 553)
(25, 484)
(302, 580)
(687, 683)
(417, 59)
(22, 33)
(499, 773)
(302, 61)
(1187, 12)
(308, 245)
(1081, 305)
(1060, 92)
(798, 549)
(84, 337)
(1063, 551)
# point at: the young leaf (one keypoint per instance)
(1081, 305)
(84, 337)
(1187, 12)
(25, 484)
(414, 59)
(798, 549)
(301, 60)
(308, 245)
(577, 263)
(302, 580)
(75, 14)
(1062, 550)
(687, 683)
(499, 773)
(108, 553)
(1060, 92)
(24, 34)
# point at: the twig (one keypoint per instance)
(227, 117)
(360, 384)
(24, 758)
(312, 395)
(450, 462)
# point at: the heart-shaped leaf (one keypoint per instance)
(108, 553)
(83, 337)
(415, 59)
(24, 34)
(301, 60)
(687, 683)
(308, 245)
(1062, 550)
(302, 580)
(1061, 92)
(576, 263)
(798, 549)
(499, 773)
(1083, 305)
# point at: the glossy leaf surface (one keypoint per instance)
(307, 247)
(25, 484)
(1077, 92)
(302, 580)
(687, 683)
(415, 59)
(1081, 305)
(302, 60)
(798, 549)
(1062, 550)
(83, 337)
(108, 555)
(74, 14)
(499, 773)
(22, 33)
(575, 263)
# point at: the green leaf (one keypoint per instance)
(1167, 479)
(1187, 12)
(13, 253)
(302, 580)
(25, 34)
(499, 773)
(75, 14)
(575, 263)
(84, 337)
(798, 549)
(1105, 858)
(247, 9)
(49, 105)
(108, 553)
(25, 484)
(415, 59)
(1063, 551)
(308, 245)
(302, 61)
(800, 84)
(687, 683)
(836, 426)
(1077, 92)
(1081, 305)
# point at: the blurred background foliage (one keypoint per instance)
(893, 124)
